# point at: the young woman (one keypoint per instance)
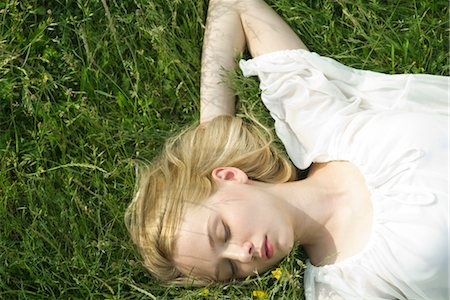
(372, 214)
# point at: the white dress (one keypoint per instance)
(395, 129)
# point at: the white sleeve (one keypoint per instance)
(313, 98)
(304, 103)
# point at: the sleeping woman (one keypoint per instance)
(222, 203)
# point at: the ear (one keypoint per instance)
(230, 174)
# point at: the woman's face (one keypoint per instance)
(237, 232)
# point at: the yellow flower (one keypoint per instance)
(260, 295)
(205, 292)
(277, 273)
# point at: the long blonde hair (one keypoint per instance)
(182, 174)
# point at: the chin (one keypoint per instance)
(286, 247)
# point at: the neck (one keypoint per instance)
(311, 205)
(315, 208)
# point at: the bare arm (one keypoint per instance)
(231, 23)
(224, 40)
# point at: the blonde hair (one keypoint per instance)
(182, 174)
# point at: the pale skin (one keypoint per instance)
(230, 25)
(329, 213)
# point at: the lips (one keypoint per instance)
(267, 249)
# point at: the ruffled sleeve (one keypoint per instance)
(313, 98)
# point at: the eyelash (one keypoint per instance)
(226, 239)
(227, 234)
(233, 270)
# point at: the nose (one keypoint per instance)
(243, 253)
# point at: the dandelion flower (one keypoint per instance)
(260, 295)
(205, 292)
(277, 273)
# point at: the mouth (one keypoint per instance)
(267, 250)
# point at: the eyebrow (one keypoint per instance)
(212, 244)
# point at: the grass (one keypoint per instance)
(87, 86)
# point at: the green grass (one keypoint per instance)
(87, 86)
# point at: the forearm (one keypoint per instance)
(229, 25)
(224, 39)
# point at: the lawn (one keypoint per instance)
(88, 87)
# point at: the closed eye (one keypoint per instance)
(227, 237)
(233, 268)
(227, 233)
